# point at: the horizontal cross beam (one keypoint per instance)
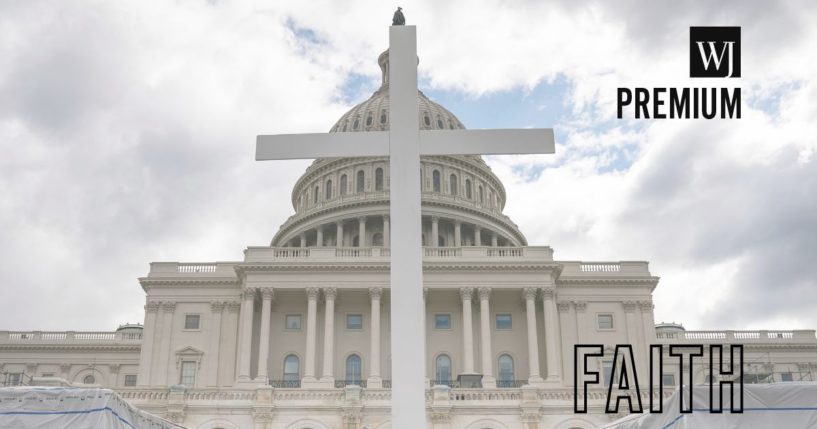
(432, 142)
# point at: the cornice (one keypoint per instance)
(384, 266)
(57, 347)
(204, 282)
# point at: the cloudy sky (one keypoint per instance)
(127, 136)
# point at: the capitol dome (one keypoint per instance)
(344, 202)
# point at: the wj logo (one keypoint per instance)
(714, 51)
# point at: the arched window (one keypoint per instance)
(315, 194)
(89, 379)
(443, 370)
(377, 239)
(505, 364)
(453, 182)
(353, 369)
(292, 370)
(361, 176)
(435, 180)
(369, 120)
(344, 182)
(468, 189)
(481, 195)
(328, 189)
(378, 179)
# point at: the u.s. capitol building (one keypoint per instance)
(296, 335)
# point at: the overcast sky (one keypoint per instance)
(127, 136)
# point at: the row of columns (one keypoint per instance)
(309, 373)
(552, 349)
(435, 222)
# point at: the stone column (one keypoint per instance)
(361, 231)
(228, 371)
(457, 233)
(435, 230)
(311, 321)
(488, 379)
(581, 320)
(567, 331)
(328, 373)
(466, 294)
(533, 345)
(386, 232)
(494, 239)
(477, 236)
(375, 380)
(553, 350)
(151, 309)
(320, 236)
(267, 294)
(303, 239)
(245, 334)
(216, 307)
(339, 234)
(163, 361)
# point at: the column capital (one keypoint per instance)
(168, 306)
(312, 293)
(339, 222)
(646, 305)
(580, 305)
(361, 218)
(217, 306)
(484, 293)
(548, 292)
(114, 368)
(629, 306)
(375, 292)
(233, 306)
(330, 293)
(564, 306)
(247, 294)
(529, 293)
(466, 293)
(267, 293)
(152, 307)
(386, 217)
(457, 222)
(435, 218)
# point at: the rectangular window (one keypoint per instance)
(607, 370)
(354, 321)
(605, 321)
(188, 373)
(668, 379)
(14, 379)
(504, 321)
(191, 321)
(442, 321)
(786, 376)
(293, 322)
(130, 380)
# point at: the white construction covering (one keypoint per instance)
(778, 405)
(60, 407)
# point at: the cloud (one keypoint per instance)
(127, 132)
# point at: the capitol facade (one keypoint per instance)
(296, 335)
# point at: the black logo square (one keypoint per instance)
(714, 51)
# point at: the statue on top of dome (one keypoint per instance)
(398, 18)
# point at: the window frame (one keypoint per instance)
(198, 323)
(612, 322)
(300, 321)
(496, 321)
(192, 365)
(348, 315)
(437, 377)
(346, 368)
(135, 380)
(450, 324)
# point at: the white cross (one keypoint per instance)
(404, 143)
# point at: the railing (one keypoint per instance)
(450, 383)
(69, 336)
(353, 252)
(197, 268)
(285, 384)
(8, 379)
(344, 383)
(804, 335)
(510, 384)
(442, 252)
(600, 267)
(505, 252)
(286, 253)
(387, 383)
